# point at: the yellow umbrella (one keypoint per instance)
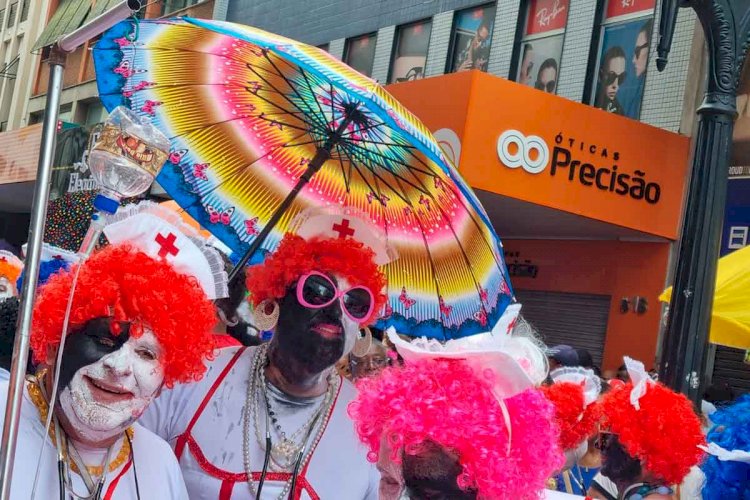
(730, 322)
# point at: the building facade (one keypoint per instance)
(20, 26)
(515, 38)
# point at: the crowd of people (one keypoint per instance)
(146, 382)
(151, 398)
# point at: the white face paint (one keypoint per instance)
(105, 397)
(7, 290)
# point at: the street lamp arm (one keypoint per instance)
(667, 21)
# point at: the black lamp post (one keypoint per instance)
(726, 24)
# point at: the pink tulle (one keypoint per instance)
(446, 402)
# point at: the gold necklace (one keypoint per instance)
(35, 392)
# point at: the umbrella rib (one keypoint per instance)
(410, 149)
(282, 94)
(289, 83)
(364, 179)
(310, 123)
(277, 122)
(400, 179)
(309, 87)
(395, 160)
(243, 167)
(375, 174)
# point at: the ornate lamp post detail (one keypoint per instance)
(726, 24)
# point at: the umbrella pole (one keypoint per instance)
(321, 156)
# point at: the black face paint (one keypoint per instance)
(432, 475)
(89, 344)
(295, 336)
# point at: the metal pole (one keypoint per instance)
(726, 25)
(33, 257)
(36, 230)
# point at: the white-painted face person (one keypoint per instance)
(7, 290)
(107, 380)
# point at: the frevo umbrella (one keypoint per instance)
(730, 316)
(263, 128)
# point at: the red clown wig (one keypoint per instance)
(296, 256)
(128, 285)
(577, 421)
(663, 434)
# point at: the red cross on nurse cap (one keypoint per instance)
(161, 234)
(344, 223)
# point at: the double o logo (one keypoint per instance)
(524, 146)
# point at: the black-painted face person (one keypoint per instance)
(107, 380)
(432, 475)
(315, 338)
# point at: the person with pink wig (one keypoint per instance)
(461, 420)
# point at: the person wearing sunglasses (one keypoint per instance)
(270, 421)
(611, 76)
(546, 77)
(632, 102)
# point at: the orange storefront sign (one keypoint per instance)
(515, 141)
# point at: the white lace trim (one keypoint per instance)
(592, 385)
(220, 285)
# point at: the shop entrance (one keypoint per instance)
(576, 319)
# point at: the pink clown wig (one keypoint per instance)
(446, 402)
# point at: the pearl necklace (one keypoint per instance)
(252, 397)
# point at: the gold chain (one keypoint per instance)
(35, 392)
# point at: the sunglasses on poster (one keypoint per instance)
(315, 290)
(546, 87)
(610, 77)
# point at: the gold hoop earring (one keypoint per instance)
(265, 320)
(363, 344)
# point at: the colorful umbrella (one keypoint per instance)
(730, 317)
(263, 128)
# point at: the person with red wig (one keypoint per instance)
(574, 392)
(270, 421)
(134, 326)
(652, 437)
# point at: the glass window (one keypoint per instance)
(324, 46)
(541, 47)
(359, 52)
(471, 39)
(410, 52)
(25, 10)
(12, 14)
(624, 49)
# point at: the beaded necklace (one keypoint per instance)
(255, 391)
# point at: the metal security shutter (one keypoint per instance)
(730, 369)
(576, 319)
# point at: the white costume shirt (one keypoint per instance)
(158, 472)
(203, 421)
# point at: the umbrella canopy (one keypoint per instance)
(730, 317)
(252, 117)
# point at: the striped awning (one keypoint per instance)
(69, 16)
